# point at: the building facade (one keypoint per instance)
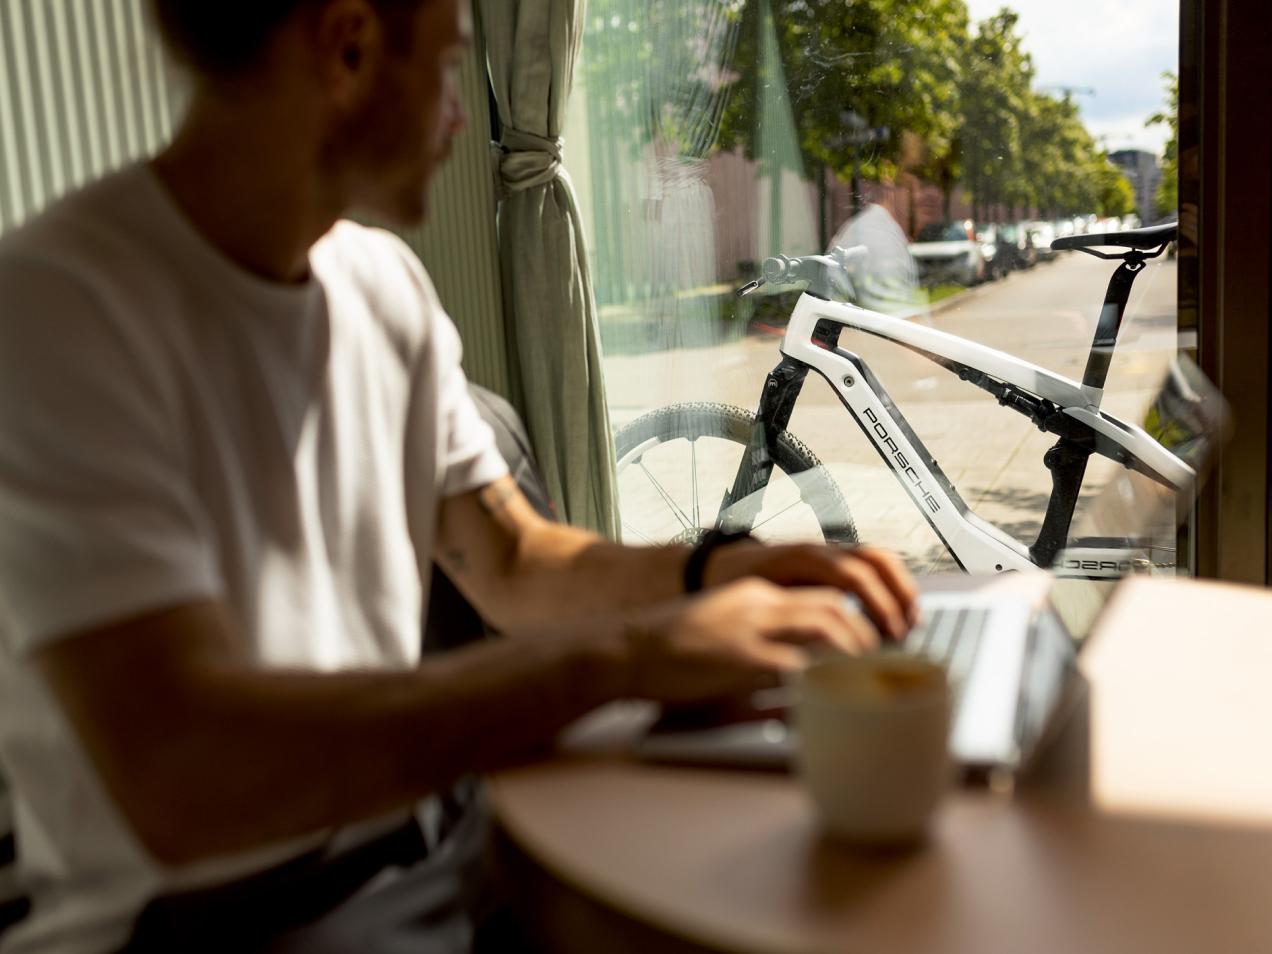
(1145, 175)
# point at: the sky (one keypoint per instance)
(1119, 48)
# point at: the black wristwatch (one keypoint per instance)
(696, 565)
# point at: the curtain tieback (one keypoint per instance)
(526, 160)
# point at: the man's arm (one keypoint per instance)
(207, 753)
(520, 569)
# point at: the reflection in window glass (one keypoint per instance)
(915, 158)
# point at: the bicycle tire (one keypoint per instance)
(726, 422)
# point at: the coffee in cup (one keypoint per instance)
(873, 744)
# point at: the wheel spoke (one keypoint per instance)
(797, 500)
(676, 512)
(693, 472)
(628, 526)
(692, 507)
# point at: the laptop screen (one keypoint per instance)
(1077, 602)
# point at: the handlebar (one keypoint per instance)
(784, 270)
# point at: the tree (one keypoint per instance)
(1167, 199)
(661, 70)
(995, 93)
(1115, 196)
(1066, 171)
(894, 63)
(694, 76)
(1021, 148)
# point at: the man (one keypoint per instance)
(233, 429)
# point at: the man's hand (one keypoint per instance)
(734, 637)
(878, 578)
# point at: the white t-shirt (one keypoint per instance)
(173, 428)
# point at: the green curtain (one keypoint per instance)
(532, 48)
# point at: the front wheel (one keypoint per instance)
(677, 464)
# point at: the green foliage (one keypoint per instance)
(995, 92)
(1022, 148)
(894, 63)
(659, 70)
(959, 104)
(1113, 191)
(1167, 198)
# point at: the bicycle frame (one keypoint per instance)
(1056, 404)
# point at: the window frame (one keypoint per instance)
(1226, 290)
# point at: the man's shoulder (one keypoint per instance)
(92, 274)
(86, 235)
(99, 203)
(372, 256)
(386, 274)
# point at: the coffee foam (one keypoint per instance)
(879, 680)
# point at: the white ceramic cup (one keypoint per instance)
(873, 744)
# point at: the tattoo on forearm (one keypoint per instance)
(494, 499)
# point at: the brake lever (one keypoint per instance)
(749, 287)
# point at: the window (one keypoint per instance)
(709, 137)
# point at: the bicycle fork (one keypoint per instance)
(741, 504)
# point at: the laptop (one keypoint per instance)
(1010, 655)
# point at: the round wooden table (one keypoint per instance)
(612, 855)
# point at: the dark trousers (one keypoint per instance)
(393, 895)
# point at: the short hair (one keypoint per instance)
(226, 38)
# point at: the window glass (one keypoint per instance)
(927, 153)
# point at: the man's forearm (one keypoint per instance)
(227, 757)
(520, 570)
(565, 572)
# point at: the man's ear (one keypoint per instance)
(349, 45)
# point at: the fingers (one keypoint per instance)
(896, 577)
(776, 657)
(860, 578)
(723, 640)
(886, 590)
(820, 616)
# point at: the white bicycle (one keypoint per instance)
(658, 443)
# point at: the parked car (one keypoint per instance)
(1044, 234)
(1015, 247)
(948, 252)
(997, 247)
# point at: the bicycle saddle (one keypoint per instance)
(1144, 239)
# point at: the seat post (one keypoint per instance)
(1115, 299)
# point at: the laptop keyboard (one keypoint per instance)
(949, 636)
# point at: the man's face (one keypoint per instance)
(389, 150)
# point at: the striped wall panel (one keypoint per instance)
(84, 88)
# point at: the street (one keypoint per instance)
(992, 455)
